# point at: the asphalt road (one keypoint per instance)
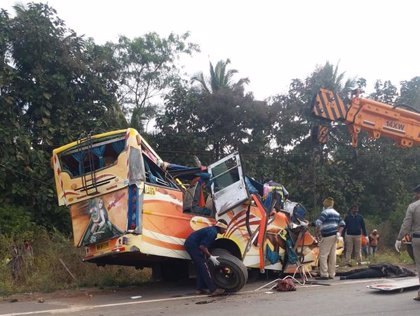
(349, 297)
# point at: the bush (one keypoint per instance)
(392, 257)
(387, 228)
(32, 263)
(15, 221)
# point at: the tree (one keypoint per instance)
(410, 93)
(147, 68)
(55, 85)
(328, 77)
(306, 168)
(216, 119)
(226, 120)
(229, 118)
(180, 137)
(385, 92)
(220, 78)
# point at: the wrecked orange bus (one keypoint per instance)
(130, 208)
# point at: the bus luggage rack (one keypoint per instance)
(89, 183)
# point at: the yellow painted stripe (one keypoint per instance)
(72, 144)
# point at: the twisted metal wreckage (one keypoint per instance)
(128, 207)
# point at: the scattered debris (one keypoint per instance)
(136, 297)
(205, 302)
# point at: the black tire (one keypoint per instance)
(231, 274)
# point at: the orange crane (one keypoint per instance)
(378, 119)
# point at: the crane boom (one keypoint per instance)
(378, 119)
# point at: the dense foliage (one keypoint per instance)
(56, 85)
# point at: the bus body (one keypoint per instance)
(127, 209)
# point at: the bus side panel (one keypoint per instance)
(58, 180)
(100, 218)
(165, 226)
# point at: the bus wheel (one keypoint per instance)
(231, 274)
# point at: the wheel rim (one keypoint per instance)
(225, 276)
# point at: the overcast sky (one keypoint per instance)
(270, 42)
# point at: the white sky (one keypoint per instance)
(269, 41)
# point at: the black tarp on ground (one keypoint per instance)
(379, 270)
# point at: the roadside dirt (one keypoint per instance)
(76, 294)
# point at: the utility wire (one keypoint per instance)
(25, 175)
(272, 155)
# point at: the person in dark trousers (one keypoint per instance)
(355, 227)
(411, 225)
(197, 245)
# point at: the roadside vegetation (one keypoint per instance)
(55, 264)
(384, 255)
(44, 261)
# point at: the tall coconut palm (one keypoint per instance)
(328, 76)
(220, 78)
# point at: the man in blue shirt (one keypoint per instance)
(355, 227)
(330, 225)
(197, 245)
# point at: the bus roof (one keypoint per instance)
(132, 131)
(58, 150)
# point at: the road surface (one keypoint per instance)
(350, 297)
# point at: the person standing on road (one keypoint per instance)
(197, 245)
(355, 227)
(364, 242)
(411, 225)
(373, 241)
(330, 225)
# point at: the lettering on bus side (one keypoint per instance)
(102, 246)
(149, 190)
(395, 125)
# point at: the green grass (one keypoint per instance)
(392, 257)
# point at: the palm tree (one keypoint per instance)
(220, 78)
(328, 76)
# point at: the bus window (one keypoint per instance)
(111, 153)
(155, 175)
(70, 165)
(197, 200)
(90, 163)
(225, 174)
(79, 162)
(228, 187)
